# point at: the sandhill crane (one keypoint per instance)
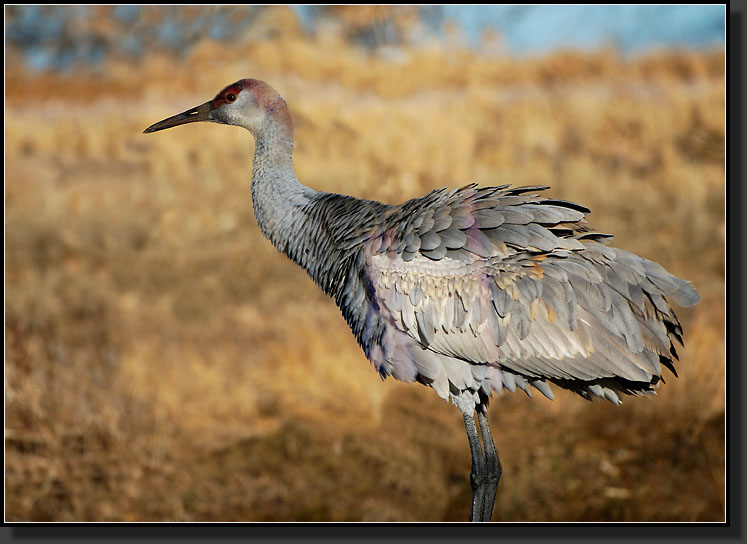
(467, 291)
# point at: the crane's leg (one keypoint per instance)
(477, 476)
(493, 465)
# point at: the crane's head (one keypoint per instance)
(248, 103)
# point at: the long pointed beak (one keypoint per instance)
(200, 113)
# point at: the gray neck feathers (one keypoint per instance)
(276, 192)
(314, 229)
(288, 212)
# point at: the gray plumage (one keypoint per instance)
(518, 286)
(469, 291)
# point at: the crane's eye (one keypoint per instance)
(230, 97)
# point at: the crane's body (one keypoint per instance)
(468, 291)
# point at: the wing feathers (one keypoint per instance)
(500, 279)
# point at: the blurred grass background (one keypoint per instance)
(165, 363)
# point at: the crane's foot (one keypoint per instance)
(486, 467)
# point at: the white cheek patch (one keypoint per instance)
(245, 112)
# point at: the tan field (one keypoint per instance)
(165, 363)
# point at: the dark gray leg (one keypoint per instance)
(477, 476)
(493, 466)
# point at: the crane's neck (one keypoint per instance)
(317, 231)
(277, 195)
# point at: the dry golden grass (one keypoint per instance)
(164, 362)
